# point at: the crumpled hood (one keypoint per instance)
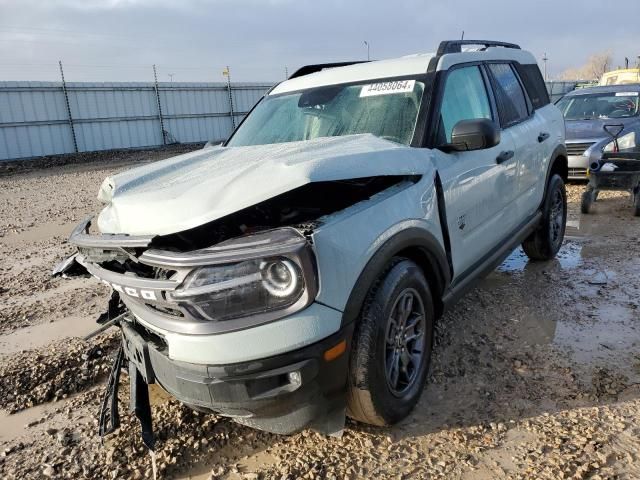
(183, 192)
(594, 129)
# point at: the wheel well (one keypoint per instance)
(425, 260)
(560, 166)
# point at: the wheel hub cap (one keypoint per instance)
(405, 341)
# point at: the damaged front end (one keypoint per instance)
(223, 316)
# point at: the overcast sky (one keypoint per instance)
(119, 40)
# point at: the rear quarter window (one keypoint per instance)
(512, 104)
(534, 84)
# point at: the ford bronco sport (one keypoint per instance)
(294, 273)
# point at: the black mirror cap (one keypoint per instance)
(476, 134)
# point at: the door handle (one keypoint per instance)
(504, 156)
(543, 136)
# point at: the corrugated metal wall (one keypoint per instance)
(34, 120)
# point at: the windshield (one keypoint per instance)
(386, 109)
(600, 105)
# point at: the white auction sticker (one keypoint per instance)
(622, 94)
(387, 88)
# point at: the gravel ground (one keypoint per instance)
(536, 373)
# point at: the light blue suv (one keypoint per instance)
(295, 273)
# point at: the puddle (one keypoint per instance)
(251, 463)
(613, 332)
(45, 333)
(44, 231)
(568, 257)
(607, 335)
(15, 425)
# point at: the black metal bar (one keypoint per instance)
(231, 113)
(66, 99)
(155, 87)
(104, 327)
(140, 405)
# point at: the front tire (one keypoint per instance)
(391, 346)
(546, 240)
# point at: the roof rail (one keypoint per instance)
(455, 46)
(308, 69)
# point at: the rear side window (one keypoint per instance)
(534, 84)
(512, 105)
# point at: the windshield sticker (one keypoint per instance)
(387, 88)
(622, 94)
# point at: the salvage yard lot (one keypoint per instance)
(535, 374)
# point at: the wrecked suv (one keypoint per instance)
(294, 274)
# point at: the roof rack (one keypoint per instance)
(308, 69)
(455, 46)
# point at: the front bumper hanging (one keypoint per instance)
(139, 405)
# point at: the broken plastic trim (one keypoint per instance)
(81, 237)
(69, 267)
(108, 416)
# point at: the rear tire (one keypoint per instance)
(585, 203)
(546, 240)
(391, 346)
(636, 206)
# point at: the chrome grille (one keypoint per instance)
(577, 149)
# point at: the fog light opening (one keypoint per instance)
(295, 378)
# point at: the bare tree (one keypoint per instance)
(596, 65)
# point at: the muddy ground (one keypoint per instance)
(536, 373)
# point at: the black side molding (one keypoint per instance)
(494, 258)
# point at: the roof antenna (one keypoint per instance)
(462, 38)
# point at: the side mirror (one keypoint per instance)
(476, 134)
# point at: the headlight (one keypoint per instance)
(625, 142)
(242, 289)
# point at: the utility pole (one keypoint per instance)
(545, 59)
(155, 87)
(462, 38)
(286, 73)
(66, 99)
(227, 73)
(368, 56)
(170, 75)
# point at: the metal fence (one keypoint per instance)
(49, 118)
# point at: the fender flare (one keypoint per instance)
(559, 152)
(430, 256)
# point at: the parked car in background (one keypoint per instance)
(587, 111)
